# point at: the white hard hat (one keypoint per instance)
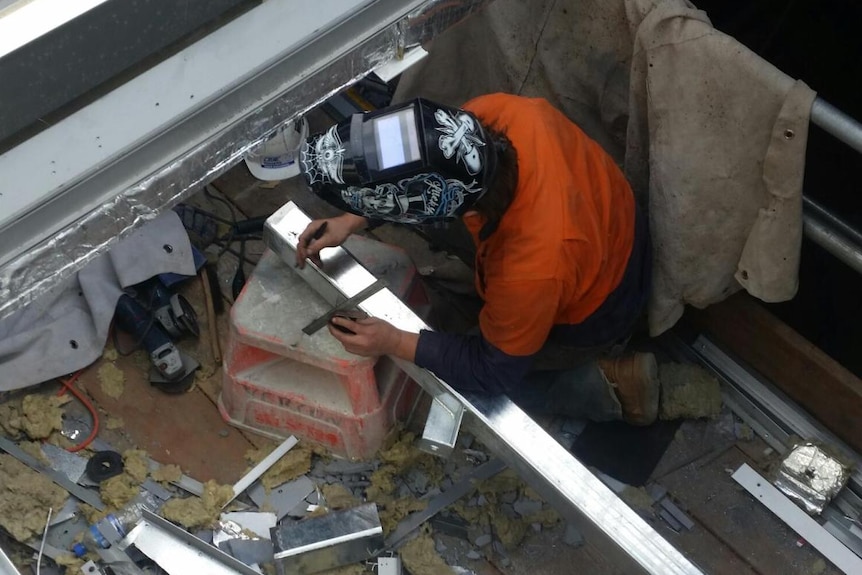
(278, 157)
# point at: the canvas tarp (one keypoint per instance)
(711, 136)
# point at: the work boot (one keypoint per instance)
(634, 379)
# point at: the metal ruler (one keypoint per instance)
(82, 493)
(346, 305)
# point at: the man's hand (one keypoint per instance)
(372, 337)
(338, 229)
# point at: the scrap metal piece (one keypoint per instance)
(441, 426)
(6, 565)
(258, 522)
(90, 497)
(798, 520)
(179, 552)
(284, 498)
(262, 467)
(185, 482)
(249, 551)
(811, 477)
(156, 489)
(72, 465)
(677, 513)
(329, 541)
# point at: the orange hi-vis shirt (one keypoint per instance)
(563, 244)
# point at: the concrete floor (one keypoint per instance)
(732, 534)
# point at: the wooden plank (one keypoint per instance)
(810, 377)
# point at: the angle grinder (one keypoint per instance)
(168, 315)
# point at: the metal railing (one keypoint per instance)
(820, 225)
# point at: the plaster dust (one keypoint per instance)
(36, 415)
(34, 449)
(420, 557)
(25, 497)
(199, 512)
(112, 380)
(167, 473)
(294, 463)
(688, 392)
(397, 459)
(117, 491)
(337, 496)
(114, 422)
(391, 510)
(110, 353)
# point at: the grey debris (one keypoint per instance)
(445, 484)
(677, 513)
(505, 561)
(330, 479)
(482, 540)
(536, 527)
(433, 491)
(473, 502)
(476, 455)
(573, 536)
(656, 491)
(404, 491)
(250, 551)
(156, 489)
(670, 520)
(68, 511)
(473, 555)
(440, 546)
(284, 499)
(527, 507)
(71, 465)
(499, 548)
(509, 510)
(509, 497)
(417, 481)
(466, 440)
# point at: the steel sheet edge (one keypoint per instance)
(562, 480)
(102, 172)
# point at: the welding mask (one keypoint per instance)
(415, 163)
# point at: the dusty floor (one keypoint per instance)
(732, 534)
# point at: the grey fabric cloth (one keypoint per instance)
(67, 329)
(711, 137)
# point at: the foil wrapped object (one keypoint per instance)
(811, 477)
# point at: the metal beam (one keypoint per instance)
(612, 526)
(72, 191)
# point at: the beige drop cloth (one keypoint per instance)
(711, 136)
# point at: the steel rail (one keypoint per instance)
(837, 123)
(565, 483)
